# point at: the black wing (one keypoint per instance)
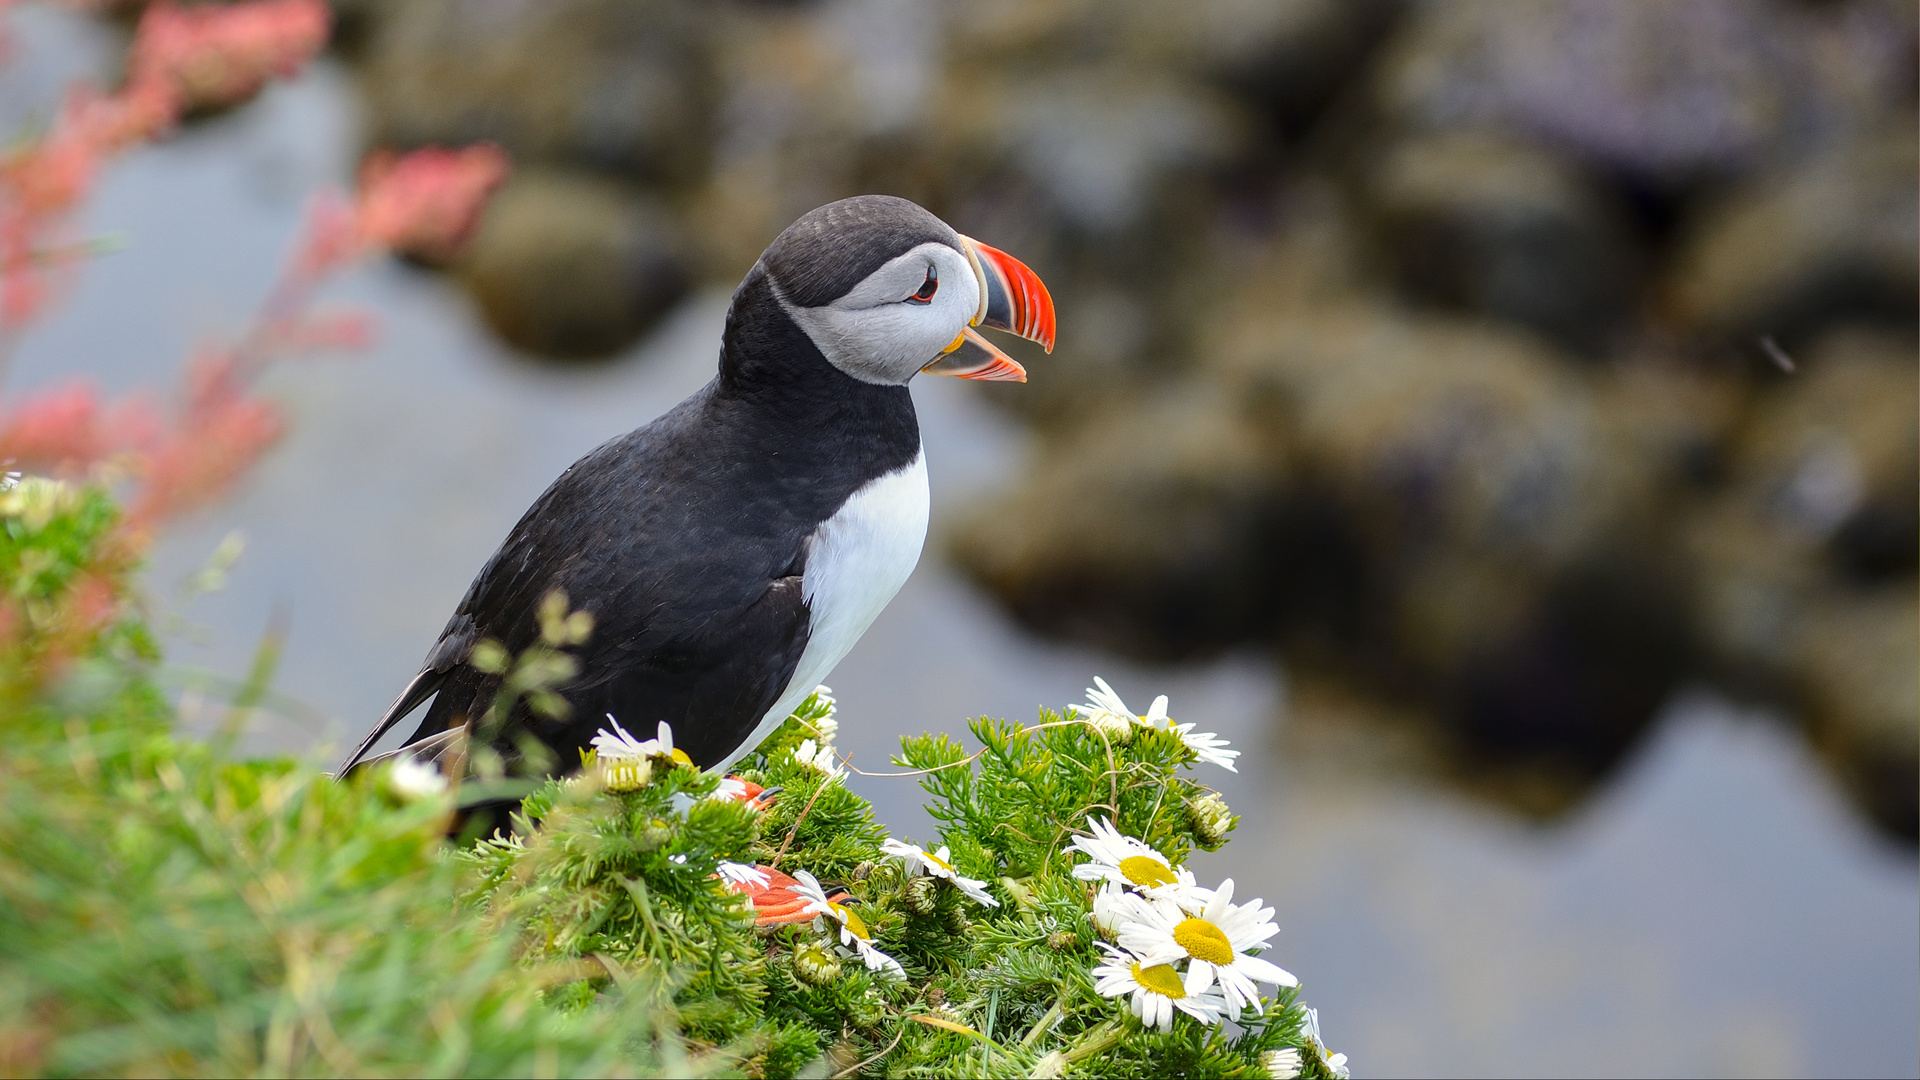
(698, 614)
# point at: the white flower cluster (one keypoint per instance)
(826, 726)
(1180, 946)
(819, 758)
(1108, 714)
(855, 938)
(918, 860)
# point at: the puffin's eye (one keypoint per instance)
(927, 289)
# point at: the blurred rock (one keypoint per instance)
(1282, 59)
(1664, 93)
(1826, 240)
(619, 85)
(1098, 140)
(1807, 586)
(1508, 519)
(1286, 58)
(1570, 680)
(1485, 223)
(1853, 664)
(1439, 431)
(1819, 500)
(569, 265)
(1147, 529)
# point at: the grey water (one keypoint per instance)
(1715, 910)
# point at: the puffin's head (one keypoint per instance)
(887, 290)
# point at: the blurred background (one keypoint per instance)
(1498, 418)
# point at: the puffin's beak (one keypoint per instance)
(1012, 298)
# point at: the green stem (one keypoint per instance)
(1047, 1020)
(1095, 1040)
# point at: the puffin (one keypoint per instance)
(733, 550)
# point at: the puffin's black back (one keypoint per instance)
(686, 538)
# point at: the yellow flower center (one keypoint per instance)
(1161, 979)
(679, 757)
(853, 921)
(1204, 941)
(1144, 872)
(938, 861)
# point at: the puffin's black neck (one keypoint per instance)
(773, 371)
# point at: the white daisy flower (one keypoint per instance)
(1125, 861)
(1106, 712)
(1156, 988)
(1215, 942)
(1111, 910)
(1205, 745)
(853, 930)
(413, 781)
(1156, 714)
(935, 864)
(1334, 1063)
(619, 744)
(1282, 1064)
(740, 877)
(818, 758)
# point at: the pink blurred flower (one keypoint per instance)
(196, 57)
(425, 203)
(330, 241)
(220, 433)
(67, 430)
(212, 55)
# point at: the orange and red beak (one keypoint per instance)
(1012, 298)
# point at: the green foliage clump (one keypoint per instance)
(1002, 989)
(164, 911)
(167, 911)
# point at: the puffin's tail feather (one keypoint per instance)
(433, 750)
(418, 690)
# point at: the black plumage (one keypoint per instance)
(687, 538)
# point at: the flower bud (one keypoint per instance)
(1210, 819)
(957, 921)
(1062, 939)
(921, 894)
(653, 835)
(1117, 728)
(814, 965)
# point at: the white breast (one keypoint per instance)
(856, 561)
